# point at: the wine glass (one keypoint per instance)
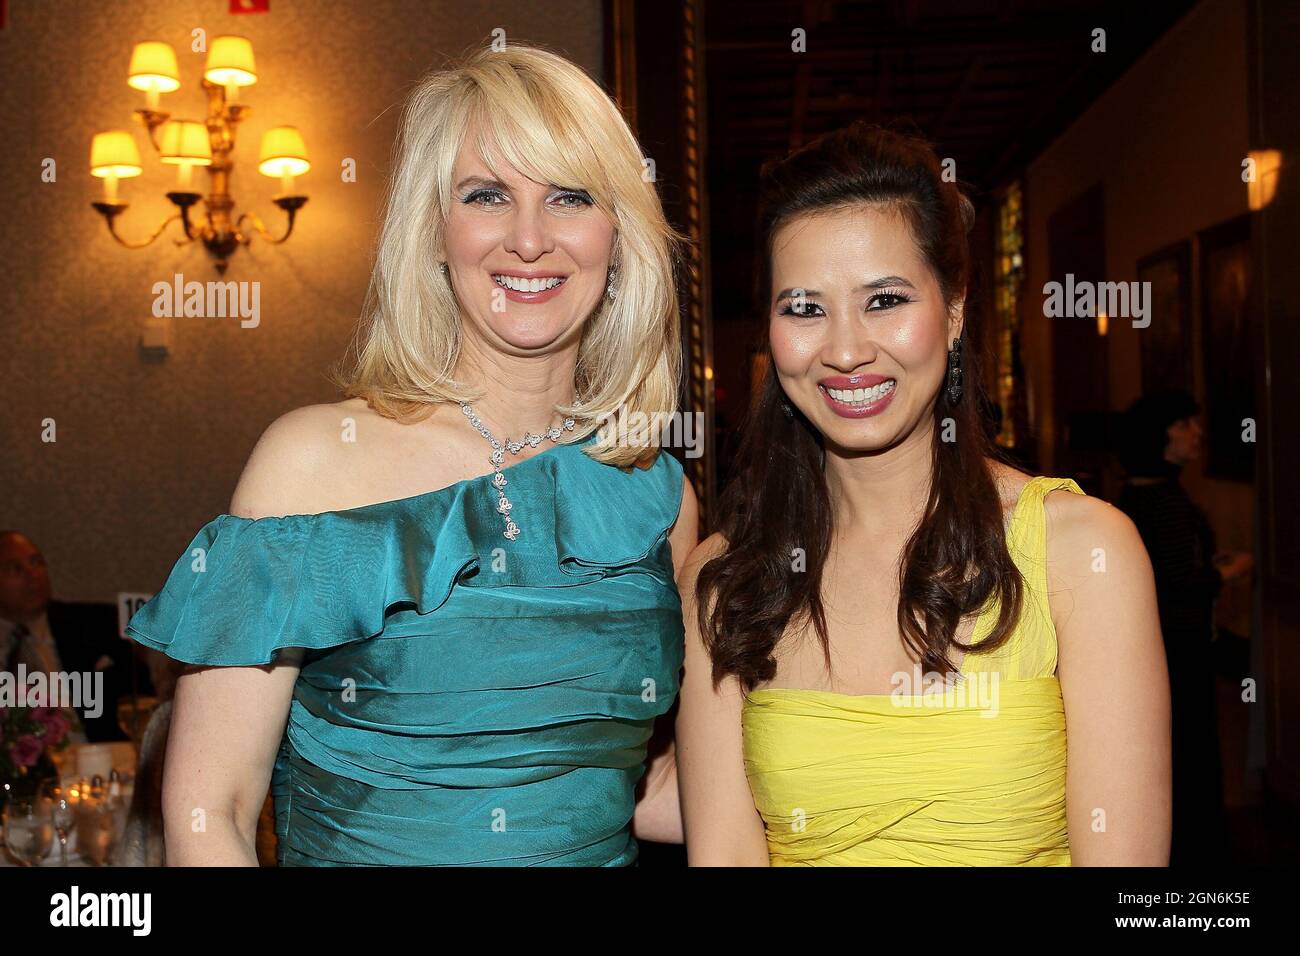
(65, 814)
(29, 828)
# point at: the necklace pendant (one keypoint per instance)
(499, 449)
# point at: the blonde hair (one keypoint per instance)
(545, 117)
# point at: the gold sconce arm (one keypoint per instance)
(183, 201)
(152, 121)
(111, 210)
(290, 204)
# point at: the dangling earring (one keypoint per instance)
(611, 289)
(954, 372)
(787, 409)
(443, 267)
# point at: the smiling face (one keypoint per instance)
(859, 328)
(529, 261)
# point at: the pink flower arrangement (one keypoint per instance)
(28, 735)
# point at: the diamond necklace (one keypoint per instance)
(498, 457)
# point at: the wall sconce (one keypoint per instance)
(189, 143)
(1263, 186)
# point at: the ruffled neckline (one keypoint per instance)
(247, 587)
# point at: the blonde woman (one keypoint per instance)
(440, 619)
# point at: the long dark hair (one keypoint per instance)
(777, 501)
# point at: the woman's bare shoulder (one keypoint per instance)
(1076, 524)
(294, 462)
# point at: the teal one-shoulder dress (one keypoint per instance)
(464, 699)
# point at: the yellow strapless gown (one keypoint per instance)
(974, 775)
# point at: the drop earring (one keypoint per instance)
(611, 289)
(954, 372)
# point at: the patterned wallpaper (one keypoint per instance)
(147, 450)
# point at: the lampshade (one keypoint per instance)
(1263, 187)
(230, 60)
(153, 67)
(283, 152)
(114, 154)
(185, 141)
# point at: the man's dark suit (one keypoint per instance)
(83, 634)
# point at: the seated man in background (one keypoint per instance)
(55, 637)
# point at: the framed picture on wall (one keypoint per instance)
(1166, 344)
(1227, 271)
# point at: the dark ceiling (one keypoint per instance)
(989, 82)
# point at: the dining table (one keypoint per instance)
(79, 763)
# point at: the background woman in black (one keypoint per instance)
(1161, 434)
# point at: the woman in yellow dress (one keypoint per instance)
(901, 650)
